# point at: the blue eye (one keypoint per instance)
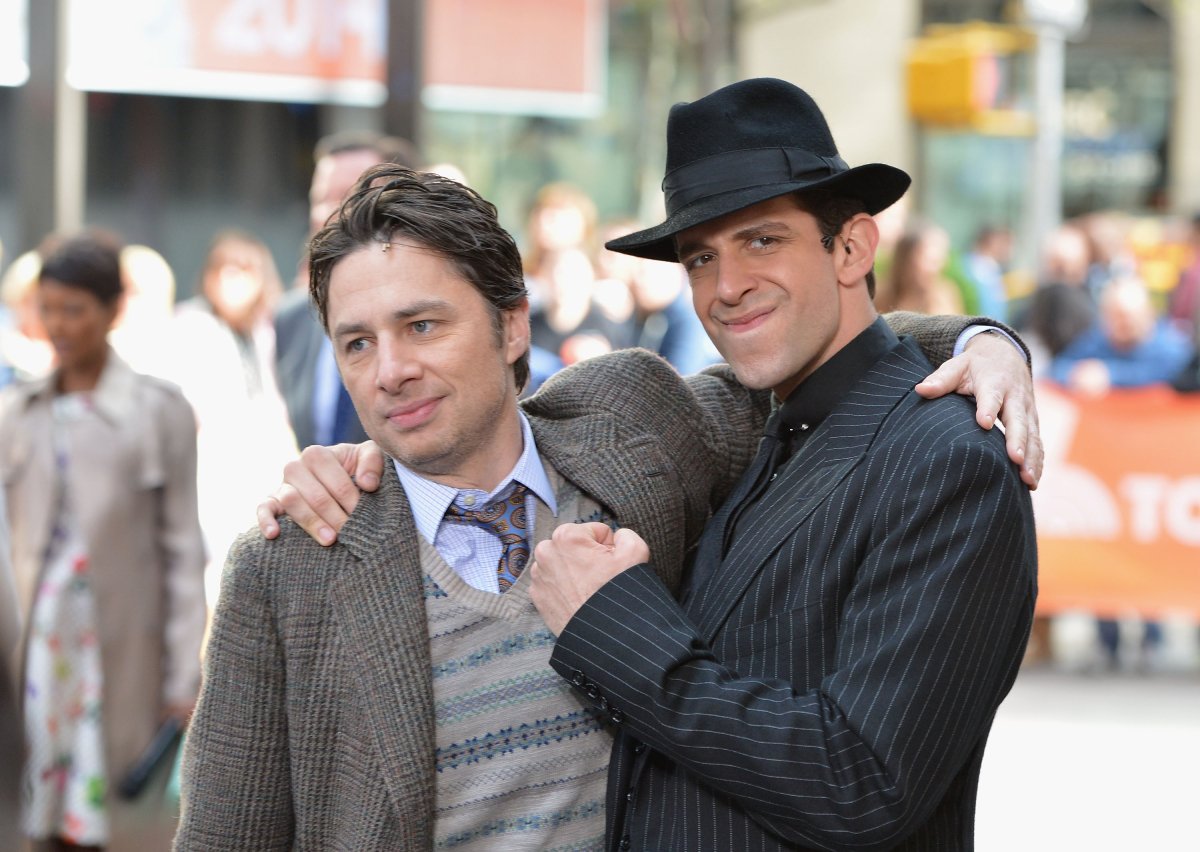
(422, 326)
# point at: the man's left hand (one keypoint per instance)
(575, 562)
(995, 372)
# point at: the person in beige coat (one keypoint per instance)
(99, 470)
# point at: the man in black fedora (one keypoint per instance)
(781, 296)
(828, 673)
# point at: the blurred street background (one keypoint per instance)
(1055, 151)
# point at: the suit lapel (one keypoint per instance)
(379, 603)
(824, 461)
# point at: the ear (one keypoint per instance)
(854, 249)
(516, 331)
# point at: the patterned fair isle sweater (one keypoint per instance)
(521, 761)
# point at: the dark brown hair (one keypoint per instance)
(832, 211)
(438, 213)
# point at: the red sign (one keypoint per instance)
(536, 57)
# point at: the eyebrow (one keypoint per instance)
(749, 232)
(415, 309)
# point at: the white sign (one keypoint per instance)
(14, 42)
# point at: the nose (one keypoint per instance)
(733, 280)
(396, 365)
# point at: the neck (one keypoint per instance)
(490, 463)
(81, 377)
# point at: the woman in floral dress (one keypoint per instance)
(99, 472)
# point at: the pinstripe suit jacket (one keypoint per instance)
(830, 683)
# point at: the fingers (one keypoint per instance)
(268, 510)
(364, 461)
(953, 375)
(589, 534)
(318, 494)
(328, 480)
(1004, 393)
(996, 374)
(1025, 446)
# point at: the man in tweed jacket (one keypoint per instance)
(319, 725)
(859, 607)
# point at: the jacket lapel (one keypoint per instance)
(805, 482)
(378, 600)
(629, 477)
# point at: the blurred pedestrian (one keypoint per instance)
(663, 320)
(99, 467)
(143, 329)
(567, 316)
(916, 279)
(223, 356)
(319, 409)
(985, 264)
(1184, 304)
(24, 348)
(10, 728)
(1129, 347)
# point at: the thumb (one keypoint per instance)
(630, 545)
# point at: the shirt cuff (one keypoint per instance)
(970, 331)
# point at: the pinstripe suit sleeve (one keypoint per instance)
(236, 780)
(930, 631)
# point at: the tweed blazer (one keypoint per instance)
(830, 682)
(315, 727)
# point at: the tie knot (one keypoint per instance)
(504, 518)
(499, 516)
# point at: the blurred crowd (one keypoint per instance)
(139, 433)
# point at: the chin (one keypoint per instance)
(753, 379)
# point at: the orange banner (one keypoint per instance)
(1118, 509)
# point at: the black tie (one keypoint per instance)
(772, 452)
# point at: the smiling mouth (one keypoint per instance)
(746, 322)
(413, 415)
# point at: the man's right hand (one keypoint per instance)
(321, 489)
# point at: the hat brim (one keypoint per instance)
(877, 185)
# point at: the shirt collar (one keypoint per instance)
(114, 396)
(813, 400)
(429, 500)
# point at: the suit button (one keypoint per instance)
(616, 717)
(639, 748)
(626, 843)
(577, 678)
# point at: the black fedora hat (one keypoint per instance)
(746, 143)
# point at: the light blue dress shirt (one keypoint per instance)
(473, 552)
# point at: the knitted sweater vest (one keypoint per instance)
(521, 761)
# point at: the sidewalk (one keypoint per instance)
(1097, 763)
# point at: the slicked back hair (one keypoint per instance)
(437, 213)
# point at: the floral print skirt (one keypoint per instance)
(63, 790)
